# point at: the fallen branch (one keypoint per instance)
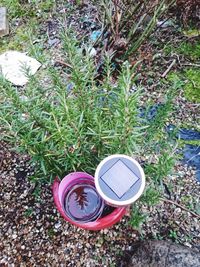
(180, 206)
(58, 61)
(169, 68)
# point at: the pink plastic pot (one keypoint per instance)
(59, 189)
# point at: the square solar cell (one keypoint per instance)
(119, 178)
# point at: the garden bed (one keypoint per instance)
(31, 230)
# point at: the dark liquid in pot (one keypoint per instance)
(107, 210)
(82, 203)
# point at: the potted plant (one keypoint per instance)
(59, 191)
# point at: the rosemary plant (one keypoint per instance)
(74, 121)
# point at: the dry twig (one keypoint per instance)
(180, 206)
(58, 61)
(169, 68)
(191, 65)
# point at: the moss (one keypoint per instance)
(17, 42)
(19, 9)
(188, 49)
(9, 45)
(192, 86)
(173, 77)
(20, 39)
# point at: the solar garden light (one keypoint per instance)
(85, 201)
(119, 180)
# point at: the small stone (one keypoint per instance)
(105, 231)
(53, 42)
(188, 244)
(88, 245)
(57, 225)
(92, 52)
(24, 99)
(178, 210)
(4, 28)
(14, 236)
(13, 65)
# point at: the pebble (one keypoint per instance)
(57, 225)
(188, 244)
(178, 210)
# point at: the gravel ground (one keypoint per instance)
(33, 233)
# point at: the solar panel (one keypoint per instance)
(119, 178)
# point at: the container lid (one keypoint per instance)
(119, 180)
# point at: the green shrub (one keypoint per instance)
(71, 124)
(74, 121)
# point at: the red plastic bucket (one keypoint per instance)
(59, 189)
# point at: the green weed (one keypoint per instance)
(45, 6)
(192, 86)
(162, 168)
(189, 50)
(193, 32)
(137, 217)
(15, 8)
(189, 142)
(151, 196)
(37, 190)
(51, 233)
(28, 212)
(173, 234)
